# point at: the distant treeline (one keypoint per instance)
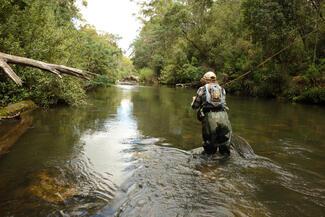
(182, 39)
(50, 31)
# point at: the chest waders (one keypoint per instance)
(216, 127)
(216, 132)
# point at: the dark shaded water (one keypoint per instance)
(126, 154)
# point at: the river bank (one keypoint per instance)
(13, 110)
(312, 96)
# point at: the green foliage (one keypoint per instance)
(315, 74)
(99, 81)
(146, 75)
(101, 51)
(313, 96)
(125, 68)
(58, 91)
(13, 109)
(180, 40)
(46, 30)
(184, 74)
(185, 39)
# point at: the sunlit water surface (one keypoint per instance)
(127, 154)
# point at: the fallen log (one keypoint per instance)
(57, 70)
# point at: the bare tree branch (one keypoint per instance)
(8, 70)
(57, 70)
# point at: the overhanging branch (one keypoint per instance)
(57, 70)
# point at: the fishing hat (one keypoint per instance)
(209, 76)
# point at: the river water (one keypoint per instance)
(127, 153)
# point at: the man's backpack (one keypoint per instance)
(215, 95)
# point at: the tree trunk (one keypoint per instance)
(58, 70)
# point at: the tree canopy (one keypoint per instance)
(182, 39)
(50, 31)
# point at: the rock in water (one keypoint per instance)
(47, 186)
(242, 147)
(238, 144)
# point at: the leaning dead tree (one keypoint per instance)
(58, 70)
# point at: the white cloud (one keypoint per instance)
(114, 16)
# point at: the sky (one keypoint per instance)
(114, 16)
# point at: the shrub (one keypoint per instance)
(51, 91)
(314, 95)
(146, 75)
(99, 81)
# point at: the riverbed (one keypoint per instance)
(128, 153)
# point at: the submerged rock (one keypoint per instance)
(51, 187)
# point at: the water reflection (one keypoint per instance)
(165, 113)
(105, 148)
(85, 146)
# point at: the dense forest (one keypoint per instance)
(53, 31)
(268, 48)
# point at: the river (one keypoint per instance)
(127, 153)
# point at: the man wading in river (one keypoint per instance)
(210, 102)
